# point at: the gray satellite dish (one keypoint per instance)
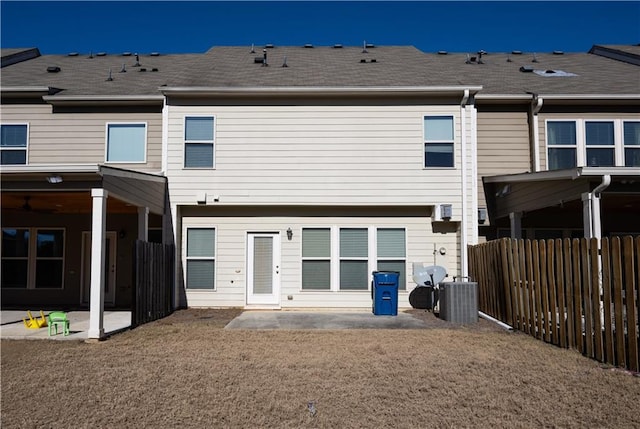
(431, 275)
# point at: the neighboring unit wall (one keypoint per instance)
(503, 144)
(80, 137)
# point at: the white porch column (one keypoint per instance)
(516, 225)
(143, 223)
(98, 228)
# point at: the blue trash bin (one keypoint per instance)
(385, 293)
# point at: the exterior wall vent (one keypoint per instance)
(442, 212)
(53, 69)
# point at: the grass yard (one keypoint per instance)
(186, 371)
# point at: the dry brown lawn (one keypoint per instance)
(186, 371)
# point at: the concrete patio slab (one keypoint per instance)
(13, 328)
(322, 320)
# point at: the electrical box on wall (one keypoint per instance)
(442, 212)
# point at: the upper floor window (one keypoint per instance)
(438, 141)
(561, 144)
(198, 141)
(126, 142)
(13, 145)
(592, 143)
(632, 144)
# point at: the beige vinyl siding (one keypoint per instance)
(231, 234)
(503, 146)
(325, 155)
(544, 117)
(80, 138)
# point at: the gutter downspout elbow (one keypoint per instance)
(606, 181)
(465, 98)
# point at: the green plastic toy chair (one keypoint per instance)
(58, 318)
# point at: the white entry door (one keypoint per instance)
(109, 268)
(263, 268)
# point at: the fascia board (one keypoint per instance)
(269, 91)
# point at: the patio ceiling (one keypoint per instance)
(59, 203)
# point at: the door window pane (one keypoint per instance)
(15, 243)
(14, 273)
(49, 273)
(263, 265)
(50, 243)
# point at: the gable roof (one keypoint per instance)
(497, 74)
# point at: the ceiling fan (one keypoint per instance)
(27, 207)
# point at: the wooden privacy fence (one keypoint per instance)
(153, 282)
(565, 292)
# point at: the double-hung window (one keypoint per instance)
(316, 258)
(126, 143)
(199, 142)
(391, 249)
(561, 144)
(13, 144)
(438, 141)
(631, 144)
(600, 145)
(354, 258)
(201, 258)
(32, 258)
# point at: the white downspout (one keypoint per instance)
(165, 136)
(595, 207)
(536, 132)
(474, 174)
(463, 167)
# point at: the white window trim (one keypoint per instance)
(26, 148)
(581, 139)
(330, 258)
(622, 149)
(425, 141)
(106, 144)
(185, 258)
(211, 142)
(372, 240)
(32, 256)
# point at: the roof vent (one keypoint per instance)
(154, 54)
(363, 60)
(337, 46)
(101, 54)
(308, 45)
(258, 60)
(558, 53)
(369, 45)
(442, 52)
(284, 63)
(535, 58)
(124, 68)
(549, 71)
(90, 54)
(253, 50)
(72, 54)
(516, 52)
(373, 60)
(269, 46)
(264, 58)
(143, 69)
(53, 69)
(137, 64)
(364, 47)
(526, 69)
(126, 54)
(109, 79)
(509, 60)
(481, 52)
(154, 69)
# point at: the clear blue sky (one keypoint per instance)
(456, 26)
